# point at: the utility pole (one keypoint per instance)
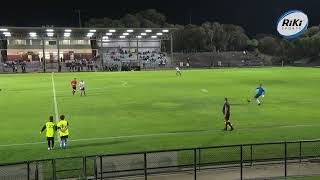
(79, 16)
(190, 16)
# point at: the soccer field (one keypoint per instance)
(140, 111)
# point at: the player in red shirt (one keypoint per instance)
(74, 85)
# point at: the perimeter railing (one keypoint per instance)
(245, 161)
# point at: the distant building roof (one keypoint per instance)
(87, 32)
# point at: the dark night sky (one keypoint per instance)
(256, 16)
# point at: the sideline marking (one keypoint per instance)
(162, 134)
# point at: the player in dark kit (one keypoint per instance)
(226, 113)
(74, 86)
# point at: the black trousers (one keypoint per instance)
(50, 142)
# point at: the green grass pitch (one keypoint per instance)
(139, 111)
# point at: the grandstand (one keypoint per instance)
(76, 49)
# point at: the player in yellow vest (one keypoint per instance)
(63, 127)
(50, 128)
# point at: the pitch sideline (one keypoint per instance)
(158, 135)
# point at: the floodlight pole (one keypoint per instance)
(58, 46)
(171, 46)
(0, 56)
(79, 16)
(138, 53)
(43, 55)
(101, 53)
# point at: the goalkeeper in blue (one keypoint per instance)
(260, 92)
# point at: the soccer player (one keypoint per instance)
(178, 72)
(226, 113)
(50, 128)
(260, 92)
(63, 127)
(74, 85)
(82, 88)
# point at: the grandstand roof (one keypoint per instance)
(87, 32)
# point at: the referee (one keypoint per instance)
(50, 129)
(226, 113)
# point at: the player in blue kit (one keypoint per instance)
(260, 92)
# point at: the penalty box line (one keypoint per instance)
(159, 135)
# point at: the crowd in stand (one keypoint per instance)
(81, 65)
(72, 65)
(153, 57)
(148, 57)
(121, 55)
(119, 59)
(111, 67)
(14, 65)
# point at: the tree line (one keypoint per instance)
(214, 36)
(207, 37)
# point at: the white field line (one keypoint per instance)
(55, 100)
(159, 135)
(204, 90)
(124, 83)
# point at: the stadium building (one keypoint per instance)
(54, 47)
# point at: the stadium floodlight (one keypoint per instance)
(159, 34)
(92, 30)
(139, 37)
(154, 37)
(165, 30)
(67, 34)
(148, 30)
(122, 37)
(143, 34)
(130, 30)
(68, 30)
(50, 34)
(125, 34)
(7, 34)
(33, 34)
(49, 30)
(90, 34)
(3, 30)
(112, 30)
(109, 34)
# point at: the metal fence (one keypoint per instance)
(246, 161)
